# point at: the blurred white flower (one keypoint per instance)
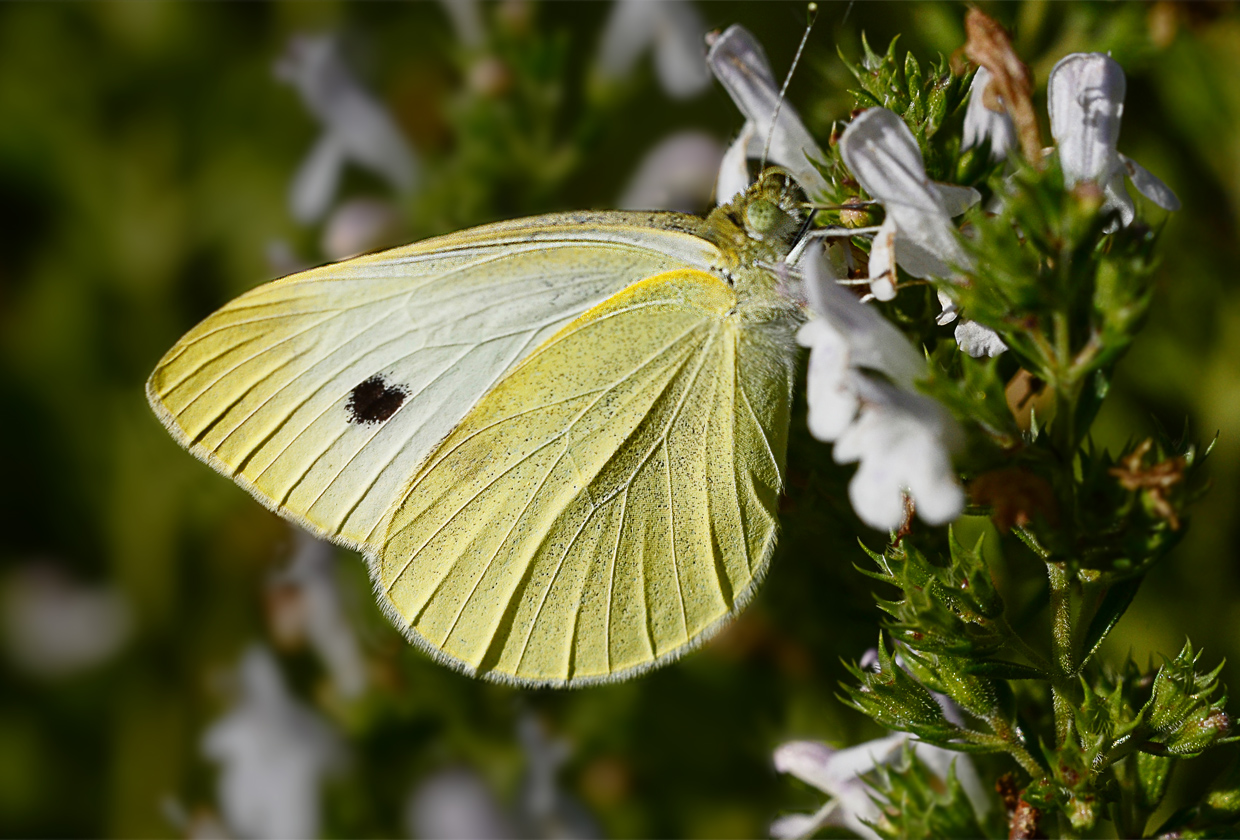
(982, 124)
(902, 439)
(282, 259)
(356, 127)
(738, 62)
(672, 28)
(273, 752)
(1085, 96)
(55, 626)
(838, 773)
(357, 226)
(918, 232)
(466, 17)
(455, 804)
(546, 810)
(305, 605)
(677, 174)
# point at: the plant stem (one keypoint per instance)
(1064, 658)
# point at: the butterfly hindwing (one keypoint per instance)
(609, 503)
(322, 393)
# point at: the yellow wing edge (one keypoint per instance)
(216, 463)
(739, 602)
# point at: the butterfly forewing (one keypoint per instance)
(609, 503)
(323, 393)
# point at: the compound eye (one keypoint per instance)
(764, 217)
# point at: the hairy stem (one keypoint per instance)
(1064, 659)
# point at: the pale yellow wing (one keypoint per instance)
(610, 503)
(323, 392)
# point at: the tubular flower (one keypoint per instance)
(982, 123)
(356, 128)
(738, 62)
(884, 156)
(902, 439)
(1085, 94)
(918, 233)
(273, 753)
(673, 29)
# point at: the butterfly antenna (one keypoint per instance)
(812, 10)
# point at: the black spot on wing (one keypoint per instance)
(375, 401)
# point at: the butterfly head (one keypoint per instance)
(771, 208)
(756, 231)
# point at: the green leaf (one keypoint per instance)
(1114, 604)
(1183, 715)
(894, 699)
(1000, 669)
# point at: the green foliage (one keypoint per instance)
(1068, 289)
(890, 696)
(924, 99)
(914, 804)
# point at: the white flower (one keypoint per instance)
(838, 773)
(982, 124)
(455, 804)
(977, 340)
(546, 810)
(1085, 94)
(466, 18)
(307, 605)
(737, 60)
(677, 174)
(55, 626)
(918, 232)
(273, 753)
(355, 127)
(672, 27)
(902, 439)
(884, 156)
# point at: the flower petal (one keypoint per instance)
(314, 185)
(1085, 95)
(883, 261)
(829, 388)
(956, 199)
(678, 59)
(903, 441)
(981, 123)
(628, 32)
(873, 342)
(673, 28)
(884, 156)
(978, 341)
(1149, 185)
(737, 60)
(809, 761)
(950, 311)
(734, 168)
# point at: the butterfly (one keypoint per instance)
(559, 441)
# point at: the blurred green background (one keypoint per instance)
(146, 157)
